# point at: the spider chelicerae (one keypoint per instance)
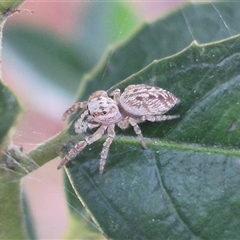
(137, 104)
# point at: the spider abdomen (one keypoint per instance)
(141, 99)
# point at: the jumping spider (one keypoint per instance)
(137, 104)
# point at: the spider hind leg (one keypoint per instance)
(72, 153)
(138, 131)
(160, 118)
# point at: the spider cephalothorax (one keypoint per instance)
(102, 109)
(138, 103)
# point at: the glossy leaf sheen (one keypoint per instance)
(161, 192)
(171, 191)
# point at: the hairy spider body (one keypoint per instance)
(138, 103)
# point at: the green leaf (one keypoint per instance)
(185, 186)
(28, 219)
(167, 191)
(171, 190)
(9, 110)
(13, 202)
(10, 211)
(6, 6)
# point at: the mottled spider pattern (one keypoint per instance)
(137, 104)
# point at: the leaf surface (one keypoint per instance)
(166, 191)
(185, 186)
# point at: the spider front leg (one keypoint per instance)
(106, 145)
(73, 108)
(81, 145)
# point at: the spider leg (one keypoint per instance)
(81, 145)
(73, 108)
(137, 130)
(134, 123)
(72, 153)
(123, 124)
(116, 95)
(106, 145)
(158, 118)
